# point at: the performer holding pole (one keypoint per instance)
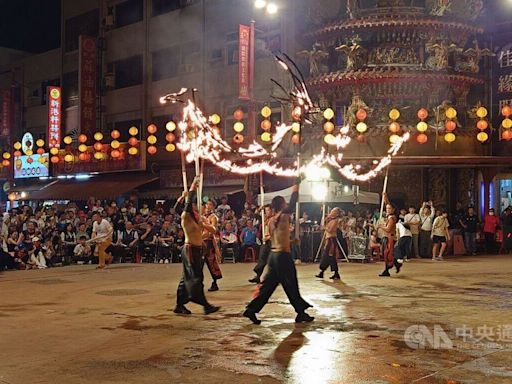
(210, 239)
(331, 250)
(281, 268)
(388, 241)
(191, 287)
(266, 246)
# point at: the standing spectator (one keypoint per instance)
(414, 221)
(440, 235)
(470, 225)
(102, 234)
(427, 213)
(491, 222)
(457, 219)
(69, 242)
(506, 220)
(248, 238)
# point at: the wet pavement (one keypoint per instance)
(79, 325)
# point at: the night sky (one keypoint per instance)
(30, 25)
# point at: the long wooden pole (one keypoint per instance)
(384, 190)
(262, 204)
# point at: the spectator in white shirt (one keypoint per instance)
(440, 235)
(414, 221)
(82, 252)
(427, 213)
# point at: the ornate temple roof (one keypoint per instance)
(391, 21)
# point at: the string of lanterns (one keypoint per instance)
(506, 124)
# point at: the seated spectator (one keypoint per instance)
(52, 259)
(228, 240)
(36, 259)
(82, 254)
(127, 241)
(179, 242)
(163, 240)
(82, 231)
(248, 239)
(68, 238)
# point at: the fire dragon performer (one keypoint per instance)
(281, 268)
(388, 240)
(211, 242)
(331, 250)
(265, 247)
(191, 287)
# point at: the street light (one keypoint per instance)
(270, 7)
(260, 4)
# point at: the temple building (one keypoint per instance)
(432, 62)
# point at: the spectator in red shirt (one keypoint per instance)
(491, 222)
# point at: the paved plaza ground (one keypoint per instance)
(78, 325)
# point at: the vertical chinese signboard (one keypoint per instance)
(243, 63)
(502, 71)
(54, 116)
(87, 85)
(6, 113)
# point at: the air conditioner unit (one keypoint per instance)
(110, 80)
(109, 21)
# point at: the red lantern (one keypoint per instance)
(361, 114)
(238, 139)
(422, 114)
(115, 134)
(17, 153)
(152, 149)
(394, 127)
(506, 111)
(115, 153)
(450, 125)
(266, 125)
(98, 146)
(82, 156)
(133, 141)
(30, 160)
(170, 137)
(152, 129)
(40, 151)
(296, 139)
(482, 125)
(54, 159)
(82, 138)
(238, 114)
(422, 138)
(6, 163)
(506, 135)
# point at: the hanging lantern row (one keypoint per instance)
(422, 126)
(133, 141)
(482, 125)
(170, 137)
(506, 124)
(329, 126)
(238, 126)
(151, 139)
(450, 125)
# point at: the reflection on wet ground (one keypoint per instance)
(116, 326)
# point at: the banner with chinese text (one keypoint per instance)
(54, 116)
(6, 113)
(87, 85)
(243, 62)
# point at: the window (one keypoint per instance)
(166, 63)
(163, 6)
(85, 24)
(171, 62)
(129, 12)
(128, 72)
(70, 89)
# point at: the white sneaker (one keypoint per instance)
(440, 258)
(166, 261)
(298, 262)
(161, 261)
(401, 261)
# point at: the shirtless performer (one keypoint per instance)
(331, 250)
(211, 245)
(191, 286)
(281, 268)
(388, 241)
(265, 248)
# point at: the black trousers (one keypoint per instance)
(6, 261)
(262, 259)
(281, 270)
(403, 248)
(490, 242)
(329, 255)
(191, 287)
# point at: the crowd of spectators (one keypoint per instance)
(42, 237)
